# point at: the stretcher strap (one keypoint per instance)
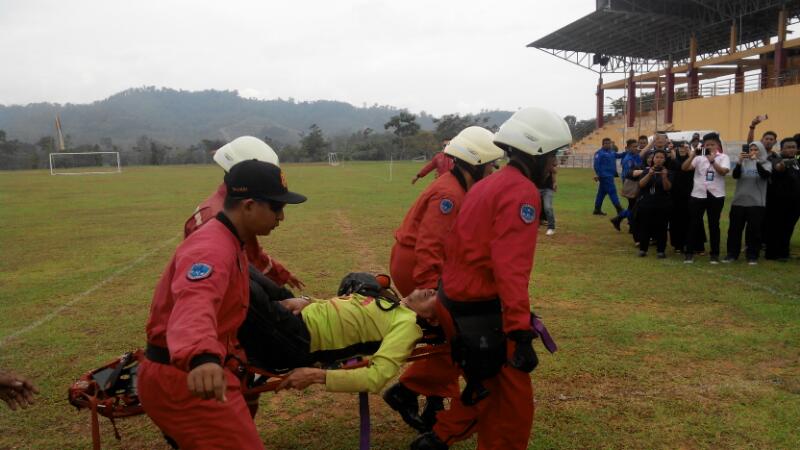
(544, 335)
(363, 412)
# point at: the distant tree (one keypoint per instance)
(403, 125)
(47, 144)
(449, 125)
(313, 146)
(2, 136)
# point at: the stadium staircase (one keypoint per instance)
(616, 130)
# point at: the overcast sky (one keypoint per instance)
(436, 56)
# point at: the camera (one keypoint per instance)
(658, 169)
(704, 151)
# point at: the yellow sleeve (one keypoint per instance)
(384, 365)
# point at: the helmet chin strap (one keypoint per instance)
(533, 167)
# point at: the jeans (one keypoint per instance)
(712, 206)
(606, 187)
(752, 217)
(547, 207)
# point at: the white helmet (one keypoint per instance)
(242, 149)
(534, 131)
(474, 146)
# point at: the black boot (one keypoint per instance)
(616, 221)
(428, 441)
(404, 401)
(597, 212)
(619, 209)
(432, 406)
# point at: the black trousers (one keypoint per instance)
(632, 219)
(653, 225)
(712, 207)
(751, 218)
(782, 216)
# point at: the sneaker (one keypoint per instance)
(688, 259)
(550, 232)
(728, 259)
(714, 260)
(642, 253)
(597, 212)
(752, 262)
(661, 255)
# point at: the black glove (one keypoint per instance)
(524, 357)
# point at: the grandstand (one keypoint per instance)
(685, 65)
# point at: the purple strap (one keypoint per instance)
(363, 411)
(541, 331)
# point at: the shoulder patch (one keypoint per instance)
(199, 271)
(527, 213)
(446, 206)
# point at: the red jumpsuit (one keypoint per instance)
(255, 253)
(416, 263)
(198, 305)
(489, 254)
(441, 162)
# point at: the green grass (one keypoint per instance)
(653, 354)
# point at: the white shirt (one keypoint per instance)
(706, 179)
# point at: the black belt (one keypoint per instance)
(471, 307)
(157, 354)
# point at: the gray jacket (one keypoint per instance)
(752, 178)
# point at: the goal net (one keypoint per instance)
(333, 159)
(84, 163)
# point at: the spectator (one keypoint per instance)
(16, 390)
(630, 186)
(749, 203)
(768, 139)
(708, 192)
(681, 191)
(783, 201)
(643, 142)
(605, 169)
(548, 191)
(653, 206)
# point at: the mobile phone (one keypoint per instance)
(745, 148)
(762, 117)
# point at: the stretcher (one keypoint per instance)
(110, 391)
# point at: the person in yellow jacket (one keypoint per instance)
(297, 334)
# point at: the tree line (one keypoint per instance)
(402, 137)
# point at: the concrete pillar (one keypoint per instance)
(631, 100)
(600, 101)
(739, 83)
(668, 107)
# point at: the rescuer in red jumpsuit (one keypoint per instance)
(440, 161)
(187, 384)
(416, 263)
(242, 149)
(484, 306)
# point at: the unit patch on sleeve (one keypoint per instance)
(199, 271)
(527, 213)
(446, 206)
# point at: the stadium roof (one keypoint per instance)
(644, 34)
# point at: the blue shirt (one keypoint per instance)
(630, 161)
(605, 163)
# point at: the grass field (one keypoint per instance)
(653, 354)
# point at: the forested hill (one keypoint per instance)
(182, 118)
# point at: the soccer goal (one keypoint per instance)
(333, 159)
(84, 163)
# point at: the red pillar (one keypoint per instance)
(739, 83)
(600, 100)
(780, 62)
(670, 94)
(631, 101)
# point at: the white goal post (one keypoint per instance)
(84, 163)
(333, 159)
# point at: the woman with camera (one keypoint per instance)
(654, 205)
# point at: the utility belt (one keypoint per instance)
(160, 355)
(479, 345)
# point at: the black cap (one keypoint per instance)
(261, 181)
